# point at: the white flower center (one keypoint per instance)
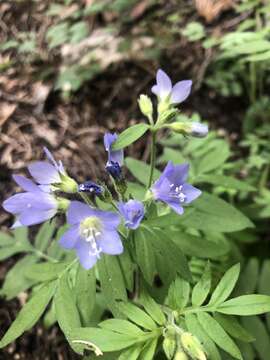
(90, 230)
(176, 191)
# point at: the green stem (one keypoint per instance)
(44, 256)
(86, 199)
(152, 158)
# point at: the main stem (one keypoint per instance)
(152, 158)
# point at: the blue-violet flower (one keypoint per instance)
(172, 189)
(92, 233)
(166, 92)
(132, 212)
(115, 156)
(52, 173)
(33, 206)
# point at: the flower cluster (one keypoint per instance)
(93, 231)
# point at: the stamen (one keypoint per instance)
(176, 191)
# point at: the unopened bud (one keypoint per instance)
(67, 185)
(62, 204)
(91, 187)
(146, 106)
(166, 116)
(192, 346)
(180, 355)
(193, 129)
(169, 347)
(198, 130)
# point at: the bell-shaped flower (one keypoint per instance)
(132, 212)
(116, 156)
(33, 206)
(172, 189)
(52, 173)
(165, 91)
(92, 233)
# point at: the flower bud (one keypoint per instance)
(166, 116)
(192, 346)
(91, 187)
(146, 106)
(169, 347)
(193, 129)
(199, 130)
(67, 185)
(62, 204)
(114, 169)
(180, 355)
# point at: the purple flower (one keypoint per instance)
(165, 91)
(92, 232)
(90, 186)
(33, 206)
(52, 173)
(114, 156)
(132, 212)
(172, 189)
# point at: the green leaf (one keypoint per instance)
(214, 159)
(152, 308)
(148, 351)
(250, 272)
(172, 256)
(225, 286)
(131, 354)
(225, 181)
(16, 279)
(6, 240)
(195, 328)
(121, 327)
(140, 170)
(46, 271)
(112, 282)
(127, 267)
(245, 305)
(145, 256)
(85, 290)
(233, 327)
(29, 314)
(264, 286)
(198, 246)
(66, 310)
(218, 335)
(130, 135)
(214, 214)
(178, 294)
(137, 315)
(44, 235)
(202, 288)
(257, 328)
(102, 338)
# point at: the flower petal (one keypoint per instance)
(109, 219)
(44, 173)
(86, 259)
(30, 217)
(191, 193)
(78, 211)
(23, 201)
(176, 207)
(26, 184)
(110, 242)
(180, 174)
(180, 91)
(70, 238)
(164, 84)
